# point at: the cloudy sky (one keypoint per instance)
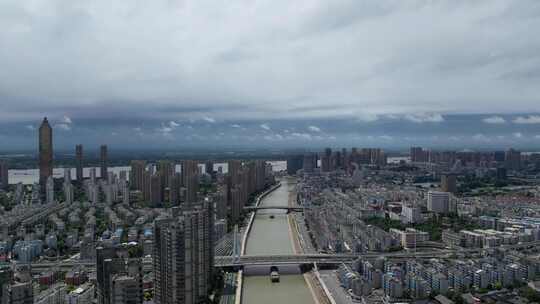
(271, 73)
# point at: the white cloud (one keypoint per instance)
(531, 119)
(237, 126)
(424, 117)
(209, 119)
(67, 120)
(537, 136)
(314, 129)
(30, 127)
(517, 134)
(265, 127)
(304, 136)
(173, 124)
(63, 126)
(494, 120)
(481, 137)
(386, 137)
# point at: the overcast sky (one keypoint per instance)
(201, 72)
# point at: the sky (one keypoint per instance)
(271, 73)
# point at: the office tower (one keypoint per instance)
(310, 162)
(79, 163)
(49, 190)
(294, 163)
(512, 159)
(118, 278)
(209, 167)
(45, 153)
(4, 182)
(448, 183)
(103, 162)
(438, 202)
(183, 256)
(190, 179)
(137, 174)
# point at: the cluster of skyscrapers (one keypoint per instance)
(329, 160)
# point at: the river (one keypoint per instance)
(272, 236)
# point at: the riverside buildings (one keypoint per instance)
(183, 255)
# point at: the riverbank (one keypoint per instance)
(270, 234)
(311, 278)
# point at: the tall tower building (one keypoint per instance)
(190, 179)
(4, 177)
(119, 279)
(45, 153)
(448, 183)
(137, 174)
(184, 256)
(79, 163)
(103, 162)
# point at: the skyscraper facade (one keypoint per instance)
(137, 174)
(79, 163)
(45, 153)
(183, 256)
(103, 162)
(4, 177)
(190, 180)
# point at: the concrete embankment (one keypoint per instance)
(239, 280)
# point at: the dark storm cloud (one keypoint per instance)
(391, 65)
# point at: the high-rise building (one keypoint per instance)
(45, 153)
(68, 187)
(79, 163)
(156, 190)
(137, 174)
(448, 183)
(166, 170)
(418, 155)
(190, 179)
(118, 278)
(4, 176)
(175, 184)
(103, 162)
(326, 160)
(294, 163)
(209, 167)
(310, 162)
(183, 256)
(260, 174)
(49, 190)
(438, 202)
(512, 159)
